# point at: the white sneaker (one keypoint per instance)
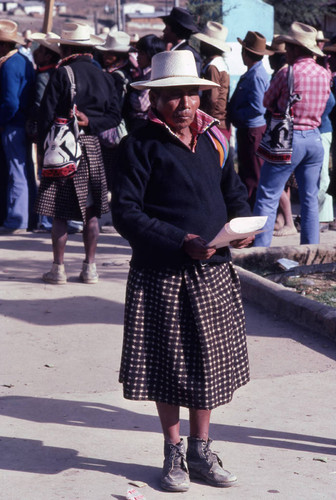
(56, 276)
(89, 274)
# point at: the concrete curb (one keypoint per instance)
(288, 304)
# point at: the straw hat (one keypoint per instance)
(44, 39)
(116, 41)
(27, 35)
(182, 17)
(302, 35)
(215, 35)
(255, 42)
(77, 34)
(277, 47)
(176, 68)
(9, 32)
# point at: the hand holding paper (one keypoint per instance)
(238, 229)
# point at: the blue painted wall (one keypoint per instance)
(248, 15)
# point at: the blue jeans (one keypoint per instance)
(15, 149)
(307, 159)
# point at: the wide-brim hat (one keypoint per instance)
(116, 41)
(256, 43)
(78, 34)
(277, 47)
(329, 49)
(302, 35)
(320, 37)
(214, 34)
(9, 32)
(182, 17)
(44, 39)
(175, 68)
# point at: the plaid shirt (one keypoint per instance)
(311, 82)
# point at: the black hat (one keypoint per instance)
(182, 17)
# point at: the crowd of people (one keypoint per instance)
(156, 120)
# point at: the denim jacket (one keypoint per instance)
(246, 108)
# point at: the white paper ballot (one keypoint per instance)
(238, 229)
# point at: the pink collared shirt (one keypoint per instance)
(311, 82)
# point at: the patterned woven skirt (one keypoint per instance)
(184, 336)
(66, 198)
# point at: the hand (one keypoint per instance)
(197, 248)
(247, 242)
(82, 119)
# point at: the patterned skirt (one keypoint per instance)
(66, 198)
(184, 336)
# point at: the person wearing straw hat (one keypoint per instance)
(312, 84)
(247, 112)
(84, 196)
(179, 26)
(213, 46)
(184, 332)
(17, 78)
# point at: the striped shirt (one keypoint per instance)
(311, 82)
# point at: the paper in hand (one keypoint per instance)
(238, 229)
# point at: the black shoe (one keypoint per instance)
(175, 475)
(206, 466)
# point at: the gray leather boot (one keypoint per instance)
(175, 475)
(205, 465)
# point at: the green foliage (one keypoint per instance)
(305, 11)
(206, 10)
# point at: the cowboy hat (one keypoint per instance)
(320, 37)
(116, 41)
(302, 35)
(256, 43)
(77, 34)
(214, 34)
(44, 39)
(277, 47)
(176, 68)
(9, 32)
(182, 17)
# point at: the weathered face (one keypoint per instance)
(176, 106)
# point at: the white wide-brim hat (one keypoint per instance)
(116, 41)
(176, 68)
(78, 34)
(214, 34)
(9, 32)
(44, 39)
(302, 35)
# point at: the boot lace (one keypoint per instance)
(211, 457)
(176, 458)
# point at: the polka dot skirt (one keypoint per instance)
(184, 336)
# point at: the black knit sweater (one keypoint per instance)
(163, 191)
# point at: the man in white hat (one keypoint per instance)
(84, 196)
(312, 84)
(184, 334)
(17, 79)
(213, 47)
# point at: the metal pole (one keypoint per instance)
(48, 16)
